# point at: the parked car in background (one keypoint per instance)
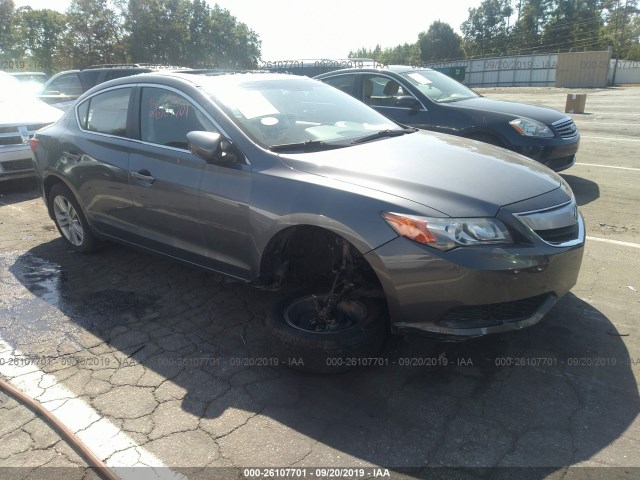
(32, 81)
(66, 86)
(21, 114)
(430, 100)
(283, 182)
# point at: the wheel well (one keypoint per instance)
(306, 255)
(49, 182)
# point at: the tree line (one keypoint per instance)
(186, 33)
(521, 27)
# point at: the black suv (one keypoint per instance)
(70, 84)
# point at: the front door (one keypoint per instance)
(386, 95)
(184, 206)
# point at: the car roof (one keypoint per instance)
(59, 74)
(134, 66)
(17, 74)
(196, 80)
(124, 66)
(382, 68)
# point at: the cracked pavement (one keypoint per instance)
(175, 358)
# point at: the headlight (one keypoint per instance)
(531, 128)
(566, 188)
(447, 233)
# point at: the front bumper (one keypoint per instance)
(556, 153)
(15, 162)
(473, 291)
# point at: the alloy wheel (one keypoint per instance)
(68, 220)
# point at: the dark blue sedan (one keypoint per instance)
(428, 99)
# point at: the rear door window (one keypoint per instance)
(68, 84)
(106, 112)
(342, 82)
(89, 78)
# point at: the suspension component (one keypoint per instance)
(341, 285)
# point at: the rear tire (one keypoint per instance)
(298, 347)
(70, 220)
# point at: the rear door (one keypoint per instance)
(345, 82)
(97, 161)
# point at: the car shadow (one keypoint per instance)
(586, 191)
(20, 190)
(541, 397)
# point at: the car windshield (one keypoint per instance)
(289, 113)
(438, 87)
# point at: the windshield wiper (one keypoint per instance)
(309, 145)
(382, 134)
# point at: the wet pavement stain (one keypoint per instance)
(41, 278)
(32, 298)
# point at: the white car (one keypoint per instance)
(32, 81)
(21, 114)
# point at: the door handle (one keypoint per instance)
(143, 175)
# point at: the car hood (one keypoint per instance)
(21, 111)
(513, 109)
(456, 176)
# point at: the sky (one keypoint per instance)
(304, 29)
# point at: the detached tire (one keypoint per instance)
(70, 221)
(329, 351)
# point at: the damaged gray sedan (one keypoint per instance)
(365, 226)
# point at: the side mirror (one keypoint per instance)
(407, 101)
(211, 147)
(205, 145)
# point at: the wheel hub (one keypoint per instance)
(68, 220)
(303, 314)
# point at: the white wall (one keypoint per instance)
(512, 71)
(628, 71)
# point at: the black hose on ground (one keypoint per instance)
(85, 452)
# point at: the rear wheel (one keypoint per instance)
(70, 220)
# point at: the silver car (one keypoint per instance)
(364, 226)
(21, 114)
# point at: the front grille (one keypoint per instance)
(10, 140)
(17, 165)
(11, 135)
(566, 128)
(479, 316)
(559, 235)
(558, 226)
